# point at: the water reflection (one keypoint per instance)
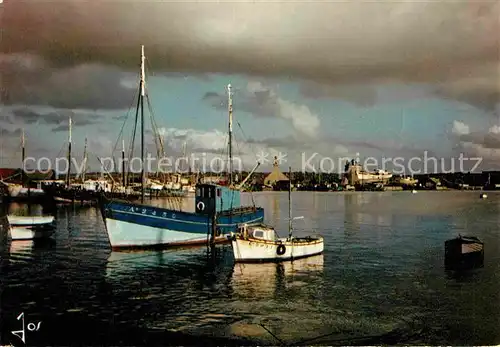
(384, 271)
(275, 212)
(181, 289)
(351, 213)
(121, 264)
(261, 280)
(28, 209)
(21, 247)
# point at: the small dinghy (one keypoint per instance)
(259, 242)
(30, 227)
(464, 252)
(29, 220)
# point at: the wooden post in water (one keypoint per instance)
(214, 233)
(213, 230)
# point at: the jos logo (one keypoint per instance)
(31, 327)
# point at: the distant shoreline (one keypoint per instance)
(377, 191)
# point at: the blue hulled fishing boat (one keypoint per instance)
(218, 209)
(131, 225)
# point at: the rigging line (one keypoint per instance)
(254, 153)
(125, 121)
(132, 144)
(224, 152)
(63, 147)
(246, 138)
(154, 127)
(158, 141)
(148, 67)
(273, 335)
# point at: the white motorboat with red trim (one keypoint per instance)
(259, 242)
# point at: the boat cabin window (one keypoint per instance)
(204, 192)
(259, 234)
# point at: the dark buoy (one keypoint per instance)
(464, 252)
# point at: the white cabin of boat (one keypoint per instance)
(257, 231)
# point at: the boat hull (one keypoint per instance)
(71, 195)
(267, 251)
(131, 226)
(29, 220)
(20, 191)
(464, 252)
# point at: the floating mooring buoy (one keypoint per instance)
(483, 196)
(464, 252)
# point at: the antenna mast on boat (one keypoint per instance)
(289, 202)
(230, 111)
(22, 156)
(84, 160)
(69, 154)
(124, 178)
(143, 177)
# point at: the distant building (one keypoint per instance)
(356, 174)
(276, 178)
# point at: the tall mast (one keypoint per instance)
(124, 178)
(69, 154)
(230, 112)
(23, 152)
(84, 160)
(289, 202)
(143, 177)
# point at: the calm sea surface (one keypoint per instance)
(381, 273)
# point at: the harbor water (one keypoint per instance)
(381, 279)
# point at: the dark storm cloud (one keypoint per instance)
(29, 80)
(443, 43)
(30, 116)
(357, 94)
(487, 140)
(262, 101)
(5, 131)
(325, 144)
(366, 95)
(59, 119)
